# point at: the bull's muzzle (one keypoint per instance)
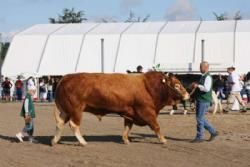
(186, 96)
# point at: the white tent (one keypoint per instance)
(218, 40)
(90, 57)
(58, 49)
(138, 46)
(63, 49)
(242, 46)
(26, 49)
(175, 49)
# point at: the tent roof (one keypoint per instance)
(42, 29)
(75, 29)
(217, 26)
(145, 28)
(110, 28)
(181, 27)
(243, 26)
(177, 44)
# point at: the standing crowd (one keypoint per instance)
(47, 88)
(15, 90)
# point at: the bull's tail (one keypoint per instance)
(60, 116)
(57, 114)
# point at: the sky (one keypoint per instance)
(16, 15)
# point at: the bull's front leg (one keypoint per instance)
(128, 126)
(156, 128)
(149, 117)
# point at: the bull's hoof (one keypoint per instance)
(126, 142)
(82, 144)
(164, 141)
(185, 112)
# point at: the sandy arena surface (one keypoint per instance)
(105, 148)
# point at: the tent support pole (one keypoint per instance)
(81, 46)
(157, 41)
(202, 50)
(234, 44)
(45, 45)
(102, 54)
(119, 44)
(195, 39)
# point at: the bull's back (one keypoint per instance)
(100, 89)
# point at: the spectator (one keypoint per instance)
(42, 90)
(50, 89)
(219, 86)
(31, 84)
(55, 83)
(19, 88)
(6, 85)
(128, 72)
(247, 86)
(1, 88)
(139, 69)
(235, 89)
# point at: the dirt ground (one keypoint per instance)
(105, 147)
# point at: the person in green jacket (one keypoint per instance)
(28, 113)
(203, 98)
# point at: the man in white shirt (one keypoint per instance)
(235, 89)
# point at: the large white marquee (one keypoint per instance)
(59, 49)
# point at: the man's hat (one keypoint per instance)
(231, 67)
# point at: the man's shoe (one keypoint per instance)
(19, 137)
(213, 136)
(226, 111)
(244, 110)
(197, 141)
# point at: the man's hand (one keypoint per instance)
(194, 85)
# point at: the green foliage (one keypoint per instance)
(224, 16)
(157, 67)
(69, 16)
(134, 18)
(3, 51)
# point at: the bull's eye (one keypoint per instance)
(177, 86)
(163, 80)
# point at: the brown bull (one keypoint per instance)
(138, 98)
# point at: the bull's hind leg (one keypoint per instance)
(128, 126)
(75, 126)
(61, 120)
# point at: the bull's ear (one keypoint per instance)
(163, 80)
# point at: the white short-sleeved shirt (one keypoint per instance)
(235, 78)
(31, 85)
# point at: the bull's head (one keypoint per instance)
(176, 89)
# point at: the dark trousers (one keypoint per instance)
(19, 94)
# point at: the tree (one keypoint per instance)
(69, 16)
(134, 18)
(131, 18)
(3, 50)
(220, 17)
(224, 16)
